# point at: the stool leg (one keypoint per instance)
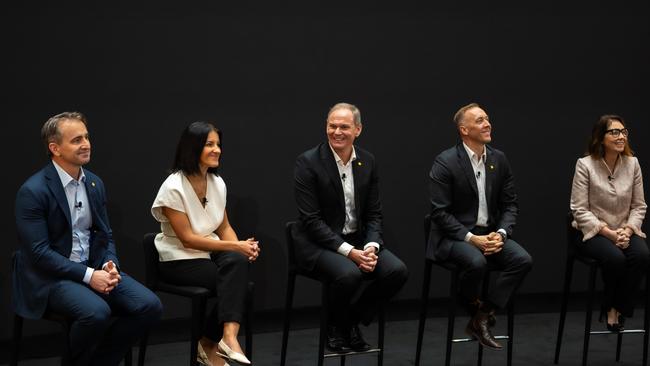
(342, 360)
(424, 300)
(511, 329)
(619, 340)
(451, 315)
(380, 339)
(479, 360)
(248, 332)
(128, 357)
(590, 304)
(198, 313)
(568, 273)
(143, 348)
(646, 320)
(323, 324)
(18, 335)
(288, 303)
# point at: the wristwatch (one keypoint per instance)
(503, 236)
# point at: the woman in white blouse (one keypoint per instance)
(197, 245)
(608, 208)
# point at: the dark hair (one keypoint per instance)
(190, 147)
(595, 147)
(50, 130)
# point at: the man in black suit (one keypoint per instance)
(339, 234)
(473, 211)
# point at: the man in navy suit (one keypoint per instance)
(473, 212)
(66, 263)
(339, 234)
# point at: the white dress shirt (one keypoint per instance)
(478, 164)
(347, 181)
(80, 216)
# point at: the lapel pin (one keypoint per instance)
(359, 163)
(92, 184)
(491, 167)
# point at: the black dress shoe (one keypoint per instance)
(357, 343)
(478, 328)
(337, 340)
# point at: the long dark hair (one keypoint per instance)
(190, 147)
(595, 147)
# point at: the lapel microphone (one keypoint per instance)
(343, 177)
(204, 201)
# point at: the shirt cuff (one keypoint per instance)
(505, 234)
(345, 249)
(468, 236)
(372, 244)
(88, 275)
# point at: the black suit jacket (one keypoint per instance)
(454, 197)
(45, 235)
(321, 205)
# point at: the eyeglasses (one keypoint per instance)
(616, 132)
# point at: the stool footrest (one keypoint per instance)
(463, 340)
(627, 331)
(351, 353)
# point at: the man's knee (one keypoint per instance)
(476, 264)
(96, 314)
(348, 280)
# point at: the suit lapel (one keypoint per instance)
(358, 171)
(93, 201)
(466, 165)
(333, 172)
(489, 175)
(55, 186)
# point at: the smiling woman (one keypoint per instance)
(197, 245)
(608, 208)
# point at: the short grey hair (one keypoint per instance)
(356, 114)
(460, 114)
(50, 130)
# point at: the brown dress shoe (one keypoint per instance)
(478, 328)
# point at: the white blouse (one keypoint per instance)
(177, 193)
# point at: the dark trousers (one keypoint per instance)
(623, 270)
(345, 280)
(226, 274)
(513, 263)
(94, 338)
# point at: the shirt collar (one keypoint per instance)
(472, 154)
(338, 159)
(65, 177)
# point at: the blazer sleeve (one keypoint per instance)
(440, 192)
(637, 206)
(508, 206)
(372, 216)
(309, 210)
(31, 214)
(585, 220)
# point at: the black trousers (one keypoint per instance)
(346, 279)
(623, 270)
(226, 273)
(513, 263)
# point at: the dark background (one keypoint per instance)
(267, 74)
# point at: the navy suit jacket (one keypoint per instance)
(321, 204)
(45, 236)
(454, 197)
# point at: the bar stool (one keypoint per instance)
(294, 271)
(453, 300)
(573, 239)
(199, 297)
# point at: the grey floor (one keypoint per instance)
(534, 344)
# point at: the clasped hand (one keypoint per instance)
(365, 259)
(250, 248)
(622, 238)
(106, 279)
(488, 244)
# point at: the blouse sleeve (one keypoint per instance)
(585, 220)
(168, 196)
(637, 206)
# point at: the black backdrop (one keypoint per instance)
(266, 75)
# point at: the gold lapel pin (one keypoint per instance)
(491, 167)
(359, 163)
(92, 184)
